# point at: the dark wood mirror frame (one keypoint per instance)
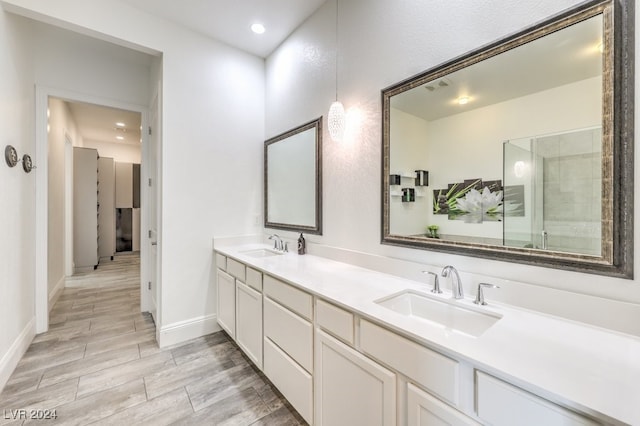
(316, 228)
(618, 145)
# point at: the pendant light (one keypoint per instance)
(336, 117)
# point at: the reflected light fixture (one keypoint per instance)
(336, 121)
(120, 124)
(258, 28)
(120, 138)
(519, 168)
(463, 100)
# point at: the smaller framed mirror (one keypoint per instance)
(293, 179)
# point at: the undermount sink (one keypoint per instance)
(443, 313)
(261, 253)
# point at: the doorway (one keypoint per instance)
(49, 191)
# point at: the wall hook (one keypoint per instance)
(27, 163)
(10, 156)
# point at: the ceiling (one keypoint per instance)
(98, 123)
(230, 20)
(559, 58)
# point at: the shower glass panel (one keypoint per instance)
(552, 192)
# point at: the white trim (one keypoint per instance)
(182, 331)
(42, 187)
(56, 292)
(19, 346)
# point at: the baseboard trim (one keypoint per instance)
(11, 358)
(182, 331)
(56, 292)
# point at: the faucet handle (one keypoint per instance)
(480, 294)
(436, 282)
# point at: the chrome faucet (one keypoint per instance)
(277, 242)
(480, 294)
(456, 284)
(436, 283)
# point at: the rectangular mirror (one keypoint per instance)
(293, 179)
(521, 150)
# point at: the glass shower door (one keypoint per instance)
(552, 192)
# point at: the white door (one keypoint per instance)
(350, 388)
(249, 322)
(227, 303)
(426, 410)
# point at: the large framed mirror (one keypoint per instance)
(293, 179)
(521, 150)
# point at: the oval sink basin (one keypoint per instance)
(261, 253)
(442, 313)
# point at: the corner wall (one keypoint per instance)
(212, 120)
(17, 192)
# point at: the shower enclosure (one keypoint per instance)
(552, 192)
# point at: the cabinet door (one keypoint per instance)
(249, 322)
(426, 410)
(227, 303)
(350, 388)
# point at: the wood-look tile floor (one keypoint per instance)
(99, 363)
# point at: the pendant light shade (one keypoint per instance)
(336, 121)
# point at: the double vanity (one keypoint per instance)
(348, 345)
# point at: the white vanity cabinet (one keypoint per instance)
(240, 305)
(339, 366)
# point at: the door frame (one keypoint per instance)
(43, 93)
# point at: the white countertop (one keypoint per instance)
(590, 369)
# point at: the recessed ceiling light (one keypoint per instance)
(463, 100)
(120, 138)
(258, 28)
(120, 124)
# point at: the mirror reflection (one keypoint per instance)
(292, 179)
(509, 149)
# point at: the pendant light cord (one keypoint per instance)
(337, 47)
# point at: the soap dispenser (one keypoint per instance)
(302, 245)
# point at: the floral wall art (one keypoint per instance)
(475, 200)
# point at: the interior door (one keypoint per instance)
(152, 208)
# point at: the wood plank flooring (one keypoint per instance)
(99, 364)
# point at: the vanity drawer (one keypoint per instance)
(254, 279)
(298, 301)
(236, 269)
(221, 262)
(290, 379)
(335, 320)
(290, 332)
(499, 403)
(435, 372)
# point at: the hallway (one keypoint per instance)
(99, 364)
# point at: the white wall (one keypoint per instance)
(61, 125)
(382, 43)
(213, 115)
(409, 152)
(471, 135)
(17, 195)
